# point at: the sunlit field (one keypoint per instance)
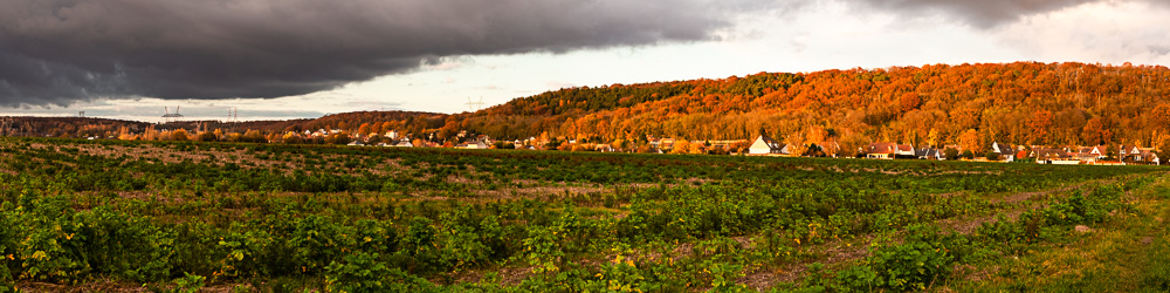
(124, 216)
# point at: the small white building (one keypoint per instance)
(764, 145)
(404, 143)
(1006, 152)
(473, 145)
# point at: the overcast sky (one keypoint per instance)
(282, 59)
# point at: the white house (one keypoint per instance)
(1100, 152)
(889, 150)
(473, 145)
(1006, 152)
(764, 145)
(404, 143)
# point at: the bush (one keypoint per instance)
(8, 245)
(420, 245)
(364, 272)
(923, 259)
(316, 240)
(911, 266)
(951, 154)
(102, 241)
(124, 246)
(188, 283)
(992, 156)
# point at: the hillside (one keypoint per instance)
(1032, 103)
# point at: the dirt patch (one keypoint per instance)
(508, 276)
(972, 273)
(835, 252)
(97, 286)
(1022, 196)
(967, 226)
(121, 287)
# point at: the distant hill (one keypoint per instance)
(102, 127)
(66, 126)
(349, 121)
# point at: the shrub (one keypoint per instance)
(420, 244)
(923, 259)
(124, 246)
(911, 266)
(951, 154)
(188, 283)
(8, 245)
(543, 250)
(992, 156)
(316, 240)
(364, 272)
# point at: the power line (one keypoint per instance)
(474, 106)
(171, 117)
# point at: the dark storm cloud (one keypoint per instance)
(60, 51)
(978, 13)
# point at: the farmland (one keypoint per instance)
(179, 216)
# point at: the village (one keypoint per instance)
(761, 145)
(764, 145)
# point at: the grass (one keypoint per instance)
(1130, 252)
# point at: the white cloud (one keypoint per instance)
(1107, 32)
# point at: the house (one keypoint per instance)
(1054, 156)
(404, 143)
(1137, 155)
(473, 145)
(881, 150)
(393, 134)
(1100, 151)
(356, 143)
(764, 145)
(1145, 156)
(1087, 154)
(663, 145)
(828, 148)
(929, 154)
(1127, 151)
(1005, 151)
(605, 148)
(889, 150)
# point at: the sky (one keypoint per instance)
(287, 59)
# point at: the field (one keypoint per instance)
(177, 217)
